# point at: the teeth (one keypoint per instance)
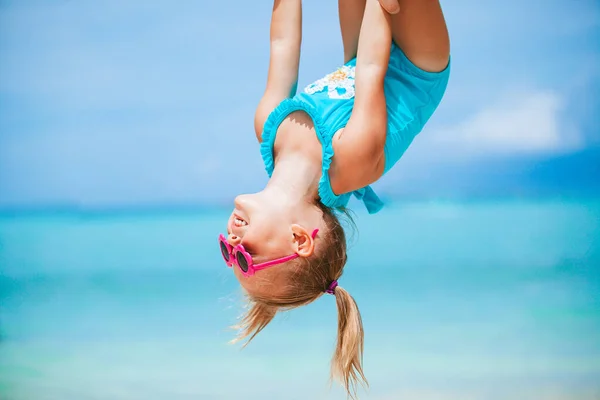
(239, 222)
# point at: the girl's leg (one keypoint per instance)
(286, 38)
(351, 15)
(419, 29)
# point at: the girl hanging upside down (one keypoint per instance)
(324, 144)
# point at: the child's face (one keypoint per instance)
(263, 227)
(266, 227)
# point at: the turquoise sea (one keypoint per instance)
(474, 300)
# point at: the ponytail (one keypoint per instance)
(346, 364)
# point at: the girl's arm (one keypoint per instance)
(359, 157)
(286, 37)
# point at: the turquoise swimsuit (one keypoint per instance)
(412, 95)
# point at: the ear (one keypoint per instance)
(304, 243)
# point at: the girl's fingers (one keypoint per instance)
(391, 6)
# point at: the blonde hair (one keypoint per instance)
(311, 278)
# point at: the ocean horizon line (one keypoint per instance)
(208, 207)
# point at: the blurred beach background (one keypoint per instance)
(480, 280)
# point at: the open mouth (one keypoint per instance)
(237, 221)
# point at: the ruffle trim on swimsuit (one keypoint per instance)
(330, 199)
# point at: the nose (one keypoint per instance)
(240, 201)
(245, 203)
(233, 240)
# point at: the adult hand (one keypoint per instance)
(391, 6)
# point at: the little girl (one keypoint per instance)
(322, 145)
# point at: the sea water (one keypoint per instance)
(473, 300)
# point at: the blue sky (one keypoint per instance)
(129, 103)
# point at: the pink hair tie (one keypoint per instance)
(331, 288)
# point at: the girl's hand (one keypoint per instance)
(391, 6)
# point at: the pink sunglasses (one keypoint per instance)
(243, 260)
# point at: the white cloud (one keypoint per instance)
(522, 123)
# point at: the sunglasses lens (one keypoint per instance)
(224, 251)
(242, 262)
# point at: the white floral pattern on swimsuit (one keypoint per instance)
(339, 84)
